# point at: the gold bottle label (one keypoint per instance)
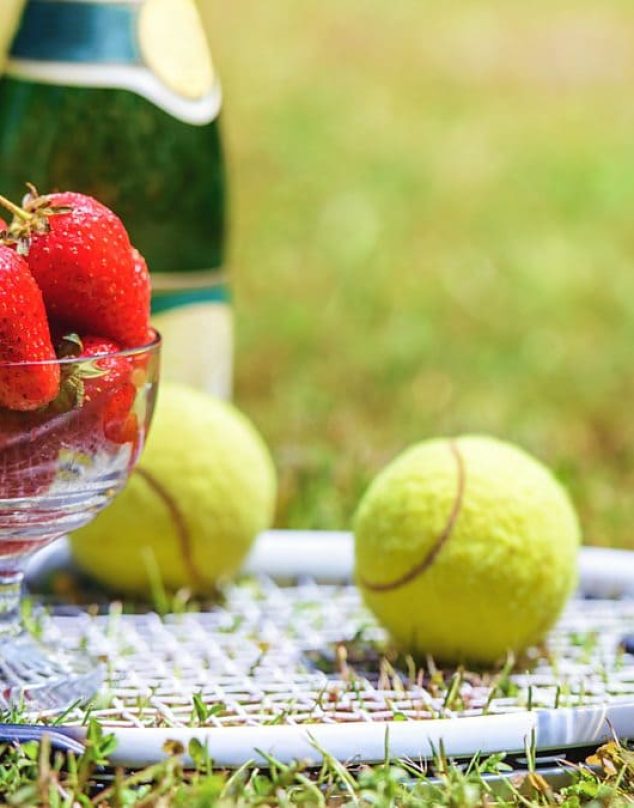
(175, 48)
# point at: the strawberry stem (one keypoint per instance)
(16, 210)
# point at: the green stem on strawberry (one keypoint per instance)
(16, 210)
(31, 218)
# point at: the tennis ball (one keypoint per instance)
(204, 487)
(466, 549)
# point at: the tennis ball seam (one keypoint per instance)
(178, 520)
(443, 537)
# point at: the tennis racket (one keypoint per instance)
(287, 667)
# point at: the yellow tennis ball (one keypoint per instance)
(466, 548)
(204, 487)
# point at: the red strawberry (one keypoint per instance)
(120, 423)
(110, 392)
(24, 337)
(81, 257)
(115, 390)
(140, 265)
(115, 369)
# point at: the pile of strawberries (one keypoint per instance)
(66, 267)
(71, 286)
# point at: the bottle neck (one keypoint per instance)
(76, 32)
(113, 44)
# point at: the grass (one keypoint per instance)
(431, 208)
(33, 775)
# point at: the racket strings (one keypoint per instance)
(311, 654)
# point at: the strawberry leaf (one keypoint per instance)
(32, 217)
(70, 345)
(90, 370)
(72, 390)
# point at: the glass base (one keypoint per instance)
(38, 678)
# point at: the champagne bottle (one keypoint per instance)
(119, 99)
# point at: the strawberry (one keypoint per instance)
(139, 264)
(116, 393)
(24, 338)
(120, 423)
(106, 387)
(81, 257)
(113, 368)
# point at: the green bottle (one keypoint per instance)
(119, 99)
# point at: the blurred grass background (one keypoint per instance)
(432, 233)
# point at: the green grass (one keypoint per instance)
(432, 233)
(32, 775)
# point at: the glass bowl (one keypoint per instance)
(59, 466)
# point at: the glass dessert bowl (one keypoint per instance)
(59, 466)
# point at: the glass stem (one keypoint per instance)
(10, 594)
